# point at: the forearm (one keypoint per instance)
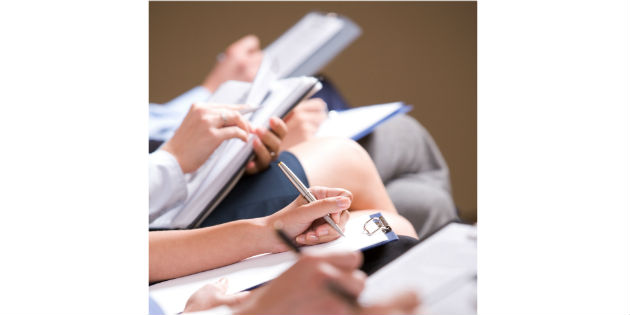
(178, 253)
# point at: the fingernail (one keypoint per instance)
(300, 239)
(343, 202)
(312, 237)
(322, 232)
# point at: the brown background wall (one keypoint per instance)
(422, 53)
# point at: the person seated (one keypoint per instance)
(322, 162)
(302, 289)
(412, 168)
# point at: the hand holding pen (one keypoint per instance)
(307, 194)
(303, 221)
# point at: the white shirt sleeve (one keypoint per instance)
(167, 185)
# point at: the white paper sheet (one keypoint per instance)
(172, 295)
(301, 41)
(353, 122)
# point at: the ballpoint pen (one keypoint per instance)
(306, 194)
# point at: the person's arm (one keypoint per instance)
(240, 62)
(178, 253)
(165, 118)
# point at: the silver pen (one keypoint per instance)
(306, 194)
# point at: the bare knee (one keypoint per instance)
(329, 148)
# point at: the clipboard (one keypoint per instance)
(377, 224)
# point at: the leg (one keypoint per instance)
(338, 162)
(414, 172)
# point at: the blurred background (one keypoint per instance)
(422, 53)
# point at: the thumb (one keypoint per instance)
(222, 285)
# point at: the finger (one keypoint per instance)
(321, 192)
(234, 118)
(351, 281)
(335, 216)
(303, 239)
(231, 132)
(344, 217)
(237, 298)
(278, 127)
(311, 237)
(222, 285)
(251, 169)
(403, 303)
(326, 233)
(269, 139)
(263, 157)
(319, 208)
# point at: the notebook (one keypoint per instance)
(441, 269)
(215, 178)
(172, 295)
(311, 43)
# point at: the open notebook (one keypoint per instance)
(215, 178)
(172, 295)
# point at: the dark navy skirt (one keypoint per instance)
(259, 195)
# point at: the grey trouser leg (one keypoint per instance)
(413, 171)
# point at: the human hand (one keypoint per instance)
(240, 62)
(303, 221)
(266, 145)
(403, 303)
(213, 295)
(202, 131)
(304, 121)
(304, 288)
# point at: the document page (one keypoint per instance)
(173, 294)
(301, 41)
(442, 270)
(357, 122)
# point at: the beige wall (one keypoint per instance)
(422, 53)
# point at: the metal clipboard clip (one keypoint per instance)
(378, 224)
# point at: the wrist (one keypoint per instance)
(263, 233)
(168, 149)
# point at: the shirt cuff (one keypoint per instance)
(167, 184)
